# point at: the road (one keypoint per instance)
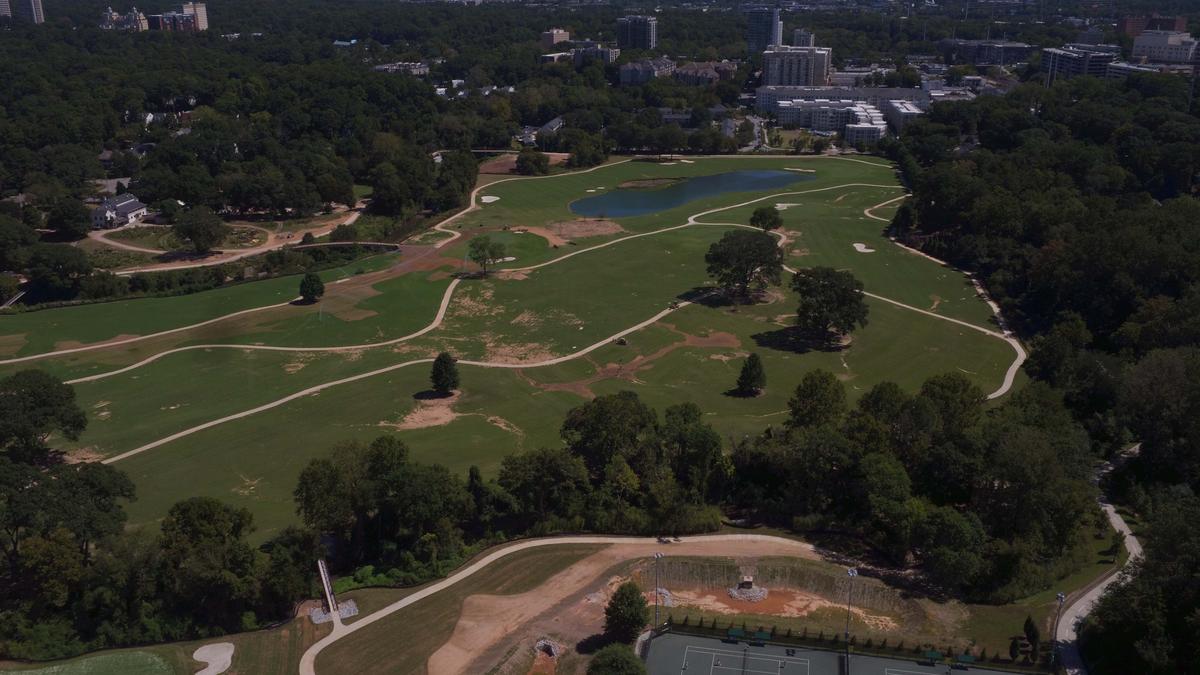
(274, 241)
(1067, 629)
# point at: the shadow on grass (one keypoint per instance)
(431, 395)
(793, 339)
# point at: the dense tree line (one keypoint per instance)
(1077, 208)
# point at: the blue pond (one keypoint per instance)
(640, 201)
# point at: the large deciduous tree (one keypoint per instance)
(485, 252)
(766, 218)
(831, 302)
(33, 405)
(311, 288)
(744, 261)
(202, 228)
(752, 378)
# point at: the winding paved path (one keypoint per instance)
(309, 659)
(1067, 628)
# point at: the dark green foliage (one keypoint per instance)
(444, 374)
(1032, 633)
(485, 252)
(202, 228)
(626, 613)
(831, 302)
(820, 399)
(743, 261)
(752, 379)
(766, 218)
(34, 404)
(311, 287)
(616, 659)
(530, 162)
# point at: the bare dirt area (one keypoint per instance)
(628, 371)
(507, 164)
(582, 228)
(11, 344)
(782, 602)
(429, 412)
(550, 237)
(569, 604)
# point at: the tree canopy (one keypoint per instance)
(831, 302)
(744, 261)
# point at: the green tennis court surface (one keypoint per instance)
(676, 654)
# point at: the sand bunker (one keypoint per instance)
(784, 206)
(784, 602)
(863, 248)
(800, 170)
(488, 199)
(218, 656)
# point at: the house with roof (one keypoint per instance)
(118, 211)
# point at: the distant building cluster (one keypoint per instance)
(859, 122)
(1134, 26)
(985, 52)
(23, 10)
(191, 17)
(706, 72)
(414, 68)
(641, 72)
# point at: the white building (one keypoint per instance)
(766, 98)
(857, 121)
(900, 113)
(1165, 45)
(785, 66)
(117, 211)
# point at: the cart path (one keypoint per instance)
(1067, 628)
(635, 547)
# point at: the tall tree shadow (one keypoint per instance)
(793, 339)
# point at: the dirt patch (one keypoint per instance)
(298, 362)
(649, 183)
(11, 344)
(505, 425)
(512, 275)
(543, 664)
(629, 371)
(247, 487)
(515, 352)
(528, 318)
(582, 228)
(800, 252)
(550, 237)
(726, 358)
(429, 412)
(937, 300)
(783, 602)
(81, 455)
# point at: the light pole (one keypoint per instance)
(852, 573)
(657, 556)
(1062, 597)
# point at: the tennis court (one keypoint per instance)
(677, 654)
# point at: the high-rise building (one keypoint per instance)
(763, 29)
(198, 10)
(801, 37)
(5, 9)
(554, 36)
(796, 66)
(637, 32)
(25, 10)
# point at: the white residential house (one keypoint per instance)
(117, 211)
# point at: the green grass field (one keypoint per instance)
(586, 296)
